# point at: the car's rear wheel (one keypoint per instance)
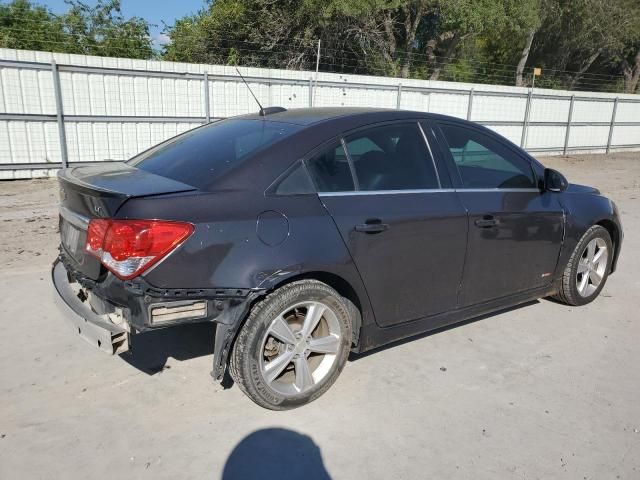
(588, 268)
(293, 345)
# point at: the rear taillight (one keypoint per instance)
(129, 247)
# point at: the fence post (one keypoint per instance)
(525, 123)
(399, 96)
(59, 114)
(613, 123)
(568, 130)
(207, 111)
(470, 104)
(310, 92)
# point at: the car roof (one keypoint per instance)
(310, 116)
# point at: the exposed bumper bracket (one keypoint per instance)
(95, 329)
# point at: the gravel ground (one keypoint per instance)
(542, 391)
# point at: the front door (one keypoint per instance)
(406, 234)
(515, 228)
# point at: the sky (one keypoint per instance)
(154, 11)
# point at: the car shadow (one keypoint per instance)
(151, 350)
(275, 453)
(358, 356)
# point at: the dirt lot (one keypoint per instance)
(542, 391)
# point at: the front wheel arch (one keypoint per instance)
(614, 233)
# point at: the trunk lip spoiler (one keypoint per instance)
(67, 177)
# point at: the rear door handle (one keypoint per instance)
(372, 226)
(486, 222)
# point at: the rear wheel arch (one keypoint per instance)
(340, 285)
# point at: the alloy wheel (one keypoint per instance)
(592, 267)
(299, 347)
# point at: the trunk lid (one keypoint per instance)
(98, 191)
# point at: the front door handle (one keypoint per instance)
(374, 225)
(486, 222)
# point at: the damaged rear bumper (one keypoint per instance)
(138, 303)
(96, 329)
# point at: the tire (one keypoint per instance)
(276, 334)
(581, 263)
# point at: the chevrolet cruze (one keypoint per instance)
(308, 234)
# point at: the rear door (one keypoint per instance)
(404, 226)
(515, 228)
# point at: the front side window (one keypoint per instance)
(392, 157)
(330, 170)
(484, 163)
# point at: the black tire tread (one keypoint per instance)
(239, 353)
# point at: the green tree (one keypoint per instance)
(26, 26)
(99, 30)
(103, 30)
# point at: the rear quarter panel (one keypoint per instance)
(226, 251)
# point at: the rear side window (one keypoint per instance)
(297, 182)
(330, 170)
(392, 157)
(198, 156)
(484, 163)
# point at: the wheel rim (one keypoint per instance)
(300, 347)
(592, 267)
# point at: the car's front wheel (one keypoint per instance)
(293, 345)
(588, 268)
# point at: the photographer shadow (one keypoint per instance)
(275, 453)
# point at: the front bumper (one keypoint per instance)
(96, 329)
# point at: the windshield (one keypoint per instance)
(200, 155)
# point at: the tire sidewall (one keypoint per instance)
(275, 304)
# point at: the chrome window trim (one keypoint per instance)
(384, 192)
(433, 160)
(479, 190)
(74, 218)
(432, 190)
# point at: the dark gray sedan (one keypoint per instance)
(306, 234)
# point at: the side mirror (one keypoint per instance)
(554, 181)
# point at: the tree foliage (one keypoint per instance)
(580, 44)
(588, 44)
(98, 30)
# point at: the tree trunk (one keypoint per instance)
(631, 74)
(453, 43)
(390, 47)
(583, 68)
(523, 58)
(406, 65)
(411, 22)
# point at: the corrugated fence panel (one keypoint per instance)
(628, 112)
(116, 107)
(544, 137)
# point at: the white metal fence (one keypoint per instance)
(58, 109)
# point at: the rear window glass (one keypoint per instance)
(198, 156)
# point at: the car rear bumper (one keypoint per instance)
(137, 300)
(96, 329)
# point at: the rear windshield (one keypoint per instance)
(200, 155)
